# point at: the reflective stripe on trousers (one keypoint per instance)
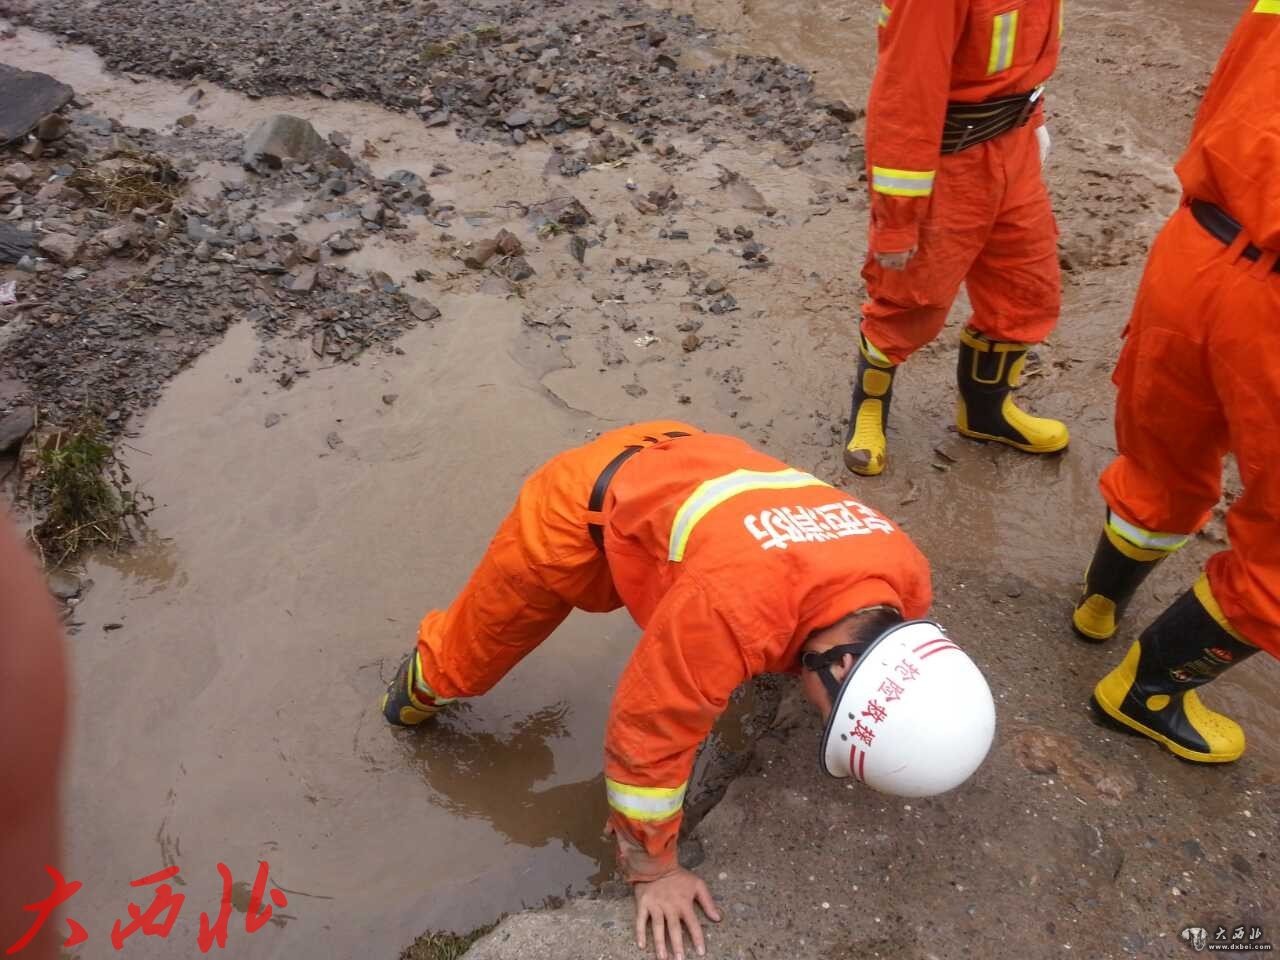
(1146, 539)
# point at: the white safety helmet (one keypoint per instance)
(913, 717)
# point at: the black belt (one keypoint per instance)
(1224, 227)
(595, 503)
(968, 124)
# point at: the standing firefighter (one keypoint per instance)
(955, 143)
(735, 565)
(1199, 377)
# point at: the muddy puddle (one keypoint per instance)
(227, 673)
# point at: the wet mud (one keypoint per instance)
(227, 671)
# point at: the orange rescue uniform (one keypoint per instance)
(980, 216)
(1200, 372)
(727, 558)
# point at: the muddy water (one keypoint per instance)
(230, 717)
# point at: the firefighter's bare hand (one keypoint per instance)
(895, 261)
(669, 904)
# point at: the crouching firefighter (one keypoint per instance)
(1199, 377)
(955, 144)
(734, 565)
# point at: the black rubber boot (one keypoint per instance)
(1115, 573)
(1153, 690)
(402, 705)
(865, 442)
(987, 373)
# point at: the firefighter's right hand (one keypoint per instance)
(895, 261)
(669, 903)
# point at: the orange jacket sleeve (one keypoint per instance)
(905, 114)
(1235, 144)
(677, 683)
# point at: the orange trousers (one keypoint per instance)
(990, 226)
(1199, 377)
(541, 564)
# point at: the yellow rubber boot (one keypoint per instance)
(409, 700)
(1153, 691)
(865, 442)
(987, 373)
(1115, 573)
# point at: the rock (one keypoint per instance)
(17, 172)
(390, 398)
(118, 237)
(517, 118)
(578, 249)
(271, 420)
(28, 264)
(53, 127)
(65, 585)
(199, 231)
(841, 110)
(437, 119)
(752, 250)
(373, 213)
(691, 343)
(597, 125)
(713, 286)
(566, 211)
(341, 243)
(509, 244)
(15, 426)
(303, 281)
(333, 440)
(634, 390)
(423, 309)
(282, 136)
(186, 121)
(28, 98)
(480, 254)
(75, 273)
(15, 244)
(203, 252)
(515, 269)
(62, 247)
(663, 195)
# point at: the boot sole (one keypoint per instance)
(1133, 726)
(1024, 447)
(867, 469)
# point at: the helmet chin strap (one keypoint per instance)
(821, 664)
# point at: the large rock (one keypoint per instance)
(28, 98)
(14, 243)
(15, 426)
(62, 247)
(283, 136)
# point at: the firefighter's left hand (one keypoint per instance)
(1043, 142)
(669, 903)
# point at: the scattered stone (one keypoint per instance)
(333, 440)
(691, 343)
(203, 252)
(509, 244)
(65, 585)
(373, 212)
(423, 309)
(53, 127)
(390, 398)
(15, 426)
(713, 286)
(75, 273)
(186, 121)
(15, 244)
(663, 195)
(517, 118)
(578, 249)
(62, 247)
(515, 269)
(481, 252)
(17, 172)
(28, 98)
(841, 110)
(271, 420)
(752, 250)
(281, 137)
(303, 281)
(634, 390)
(341, 243)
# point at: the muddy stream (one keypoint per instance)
(227, 673)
